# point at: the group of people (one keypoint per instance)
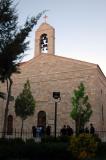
(40, 131)
(68, 131)
(90, 130)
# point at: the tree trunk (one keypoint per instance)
(22, 128)
(76, 127)
(7, 105)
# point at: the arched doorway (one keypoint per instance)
(10, 125)
(42, 119)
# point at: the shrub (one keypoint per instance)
(48, 139)
(30, 141)
(101, 152)
(83, 146)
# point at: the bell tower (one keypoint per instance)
(44, 40)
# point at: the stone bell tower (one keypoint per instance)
(44, 40)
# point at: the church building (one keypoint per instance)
(51, 75)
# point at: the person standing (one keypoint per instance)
(69, 131)
(34, 131)
(92, 129)
(48, 130)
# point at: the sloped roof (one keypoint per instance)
(44, 26)
(47, 66)
(55, 64)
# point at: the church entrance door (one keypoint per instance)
(42, 119)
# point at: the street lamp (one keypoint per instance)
(56, 96)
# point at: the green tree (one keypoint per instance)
(12, 45)
(81, 108)
(25, 104)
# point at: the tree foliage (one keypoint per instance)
(25, 103)
(12, 38)
(12, 45)
(83, 146)
(81, 108)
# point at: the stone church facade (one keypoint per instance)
(50, 73)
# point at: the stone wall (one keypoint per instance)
(61, 75)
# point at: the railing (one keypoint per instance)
(28, 134)
(17, 134)
(101, 135)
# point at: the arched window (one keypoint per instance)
(44, 43)
(42, 119)
(10, 125)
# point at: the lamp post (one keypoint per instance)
(56, 96)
